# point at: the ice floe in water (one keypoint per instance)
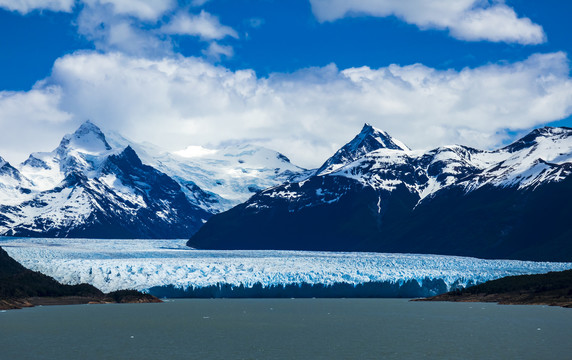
(169, 268)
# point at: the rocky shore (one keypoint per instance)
(553, 288)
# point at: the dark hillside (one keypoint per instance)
(20, 287)
(553, 288)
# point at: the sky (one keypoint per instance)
(297, 76)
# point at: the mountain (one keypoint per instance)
(218, 179)
(98, 185)
(86, 188)
(369, 139)
(375, 194)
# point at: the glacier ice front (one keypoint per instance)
(168, 268)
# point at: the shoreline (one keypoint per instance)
(505, 299)
(552, 289)
(19, 303)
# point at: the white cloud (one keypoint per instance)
(307, 115)
(26, 6)
(204, 25)
(215, 51)
(141, 9)
(118, 33)
(499, 24)
(472, 20)
(112, 32)
(36, 105)
(31, 121)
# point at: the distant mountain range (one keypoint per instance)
(375, 194)
(105, 186)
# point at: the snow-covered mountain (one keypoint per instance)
(375, 194)
(217, 179)
(368, 140)
(105, 186)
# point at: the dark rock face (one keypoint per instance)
(379, 202)
(488, 223)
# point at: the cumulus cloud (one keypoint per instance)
(137, 30)
(34, 105)
(26, 6)
(111, 32)
(30, 120)
(204, 25)
(137, 27)
(307, 115)
(472, 20)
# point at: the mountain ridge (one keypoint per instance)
(382, 200)
(94, 186)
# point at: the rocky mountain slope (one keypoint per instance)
(105, 186)
(375, 194)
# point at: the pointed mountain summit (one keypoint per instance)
(88, 138)
(539, 135)
(369, 139)
(512, 203)
(99, 184)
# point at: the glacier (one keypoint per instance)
(169, 268)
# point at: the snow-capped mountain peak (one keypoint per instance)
(369, 139)
(98, 183)
(82, 151)
(510, 202)
(544, 155)
(88, 139)
(538, 136)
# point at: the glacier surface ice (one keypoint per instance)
(150, 264)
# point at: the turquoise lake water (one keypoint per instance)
(287, 329)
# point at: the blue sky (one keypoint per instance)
(299, 76)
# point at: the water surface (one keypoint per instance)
(287, 329)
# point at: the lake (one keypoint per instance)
(287, 329)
